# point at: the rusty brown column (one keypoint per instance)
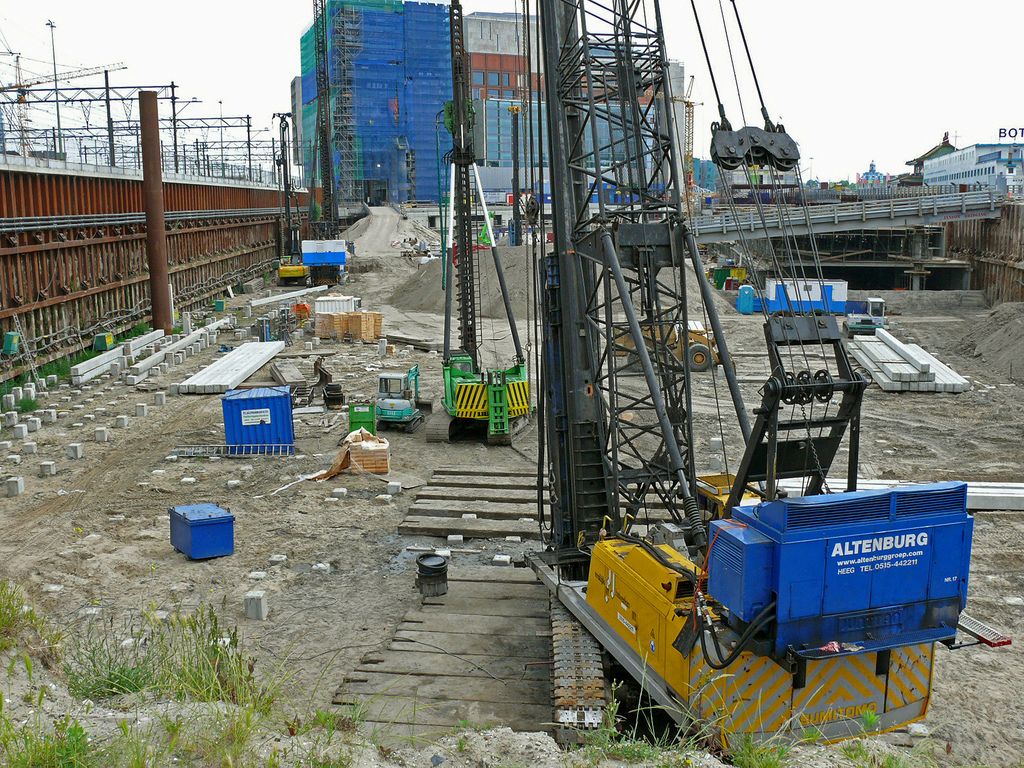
(153, 201)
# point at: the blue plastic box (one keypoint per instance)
(202, 531)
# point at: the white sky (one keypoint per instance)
(853, 81)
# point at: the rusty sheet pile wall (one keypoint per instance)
(996, 252)
(73, 250)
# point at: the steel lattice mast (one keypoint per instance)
(617, 400)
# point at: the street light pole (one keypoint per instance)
(56, 91)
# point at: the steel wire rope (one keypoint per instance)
(775, 184)
(732, 63)
(799, 274)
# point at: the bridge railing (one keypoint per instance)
(750, 220)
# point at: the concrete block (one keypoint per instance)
(75, 451)
(115, 369)
(455, 538)
(469, 516)
(172, 389)
(234, 484)
(171, 457)
(503, 560)
(77, 424)
(49, 416)
(17, 393)
(10, 418)
(28, 447)
(102, 435)
(132, 381)
(29, 391)
(15, 486)
(256, 605)
(5, 446)
(8, 402)
(321, 568)
(394, 487)
(51, 381)
(188, 481)
(14, 458)
(159, 398)
(33, 423)
(308, 346)
(384, 498)
(257, 575)
(47, 468)
(20, 431)
(278, 559)
(121, 422)
(339, 493)
(141, 409)
(89, 417)
(514, 539)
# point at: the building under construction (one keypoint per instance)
(389, 67)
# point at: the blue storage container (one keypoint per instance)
(202, 531)
(259, 420)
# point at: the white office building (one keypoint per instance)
(998, 166)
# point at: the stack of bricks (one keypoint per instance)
(373, 456)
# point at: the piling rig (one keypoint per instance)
(754, 599)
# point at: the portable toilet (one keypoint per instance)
(258, 420)
(745, 300)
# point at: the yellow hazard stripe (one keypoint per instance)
(518, 398)
(471, 401)
(909, 675)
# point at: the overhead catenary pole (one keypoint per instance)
(110, 118)
(174, 123)
(153, 200)
(59, 143)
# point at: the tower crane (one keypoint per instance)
(755, 599)
(20, 85)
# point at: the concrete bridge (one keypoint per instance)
(892, 213)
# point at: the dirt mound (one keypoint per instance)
(422, 291)
(998, 339)
(924, 302)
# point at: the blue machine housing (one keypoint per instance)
(876, 569)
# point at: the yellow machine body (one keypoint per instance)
(292, 273)
(647, 604)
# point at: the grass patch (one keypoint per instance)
(751, 754)
(185, 658)
(27, 405)
(33, 746)
(21, 626)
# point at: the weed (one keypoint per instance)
(855, 750)
(21, 625)
(869, 721)
(188, 657)
(27, 405)
(32, 745)
(461, 743)
(748, 753)
(100, 666)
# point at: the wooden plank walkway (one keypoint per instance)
(460, 500)
(479, 655)
(501, 502)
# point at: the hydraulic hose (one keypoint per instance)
(760, 621)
